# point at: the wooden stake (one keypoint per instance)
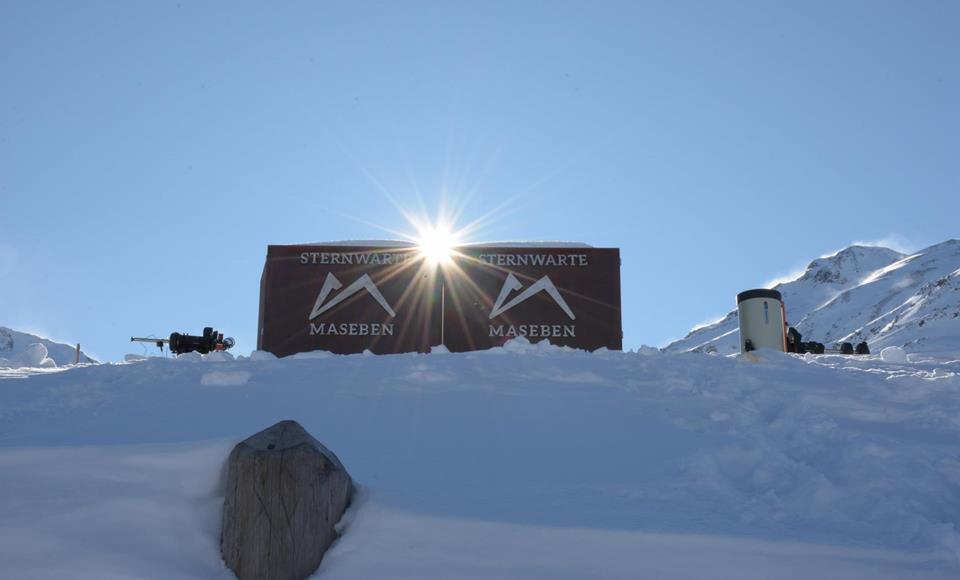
(76, 362)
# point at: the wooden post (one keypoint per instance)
(76, 362)
(284, 493)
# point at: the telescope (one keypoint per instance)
(179, 343)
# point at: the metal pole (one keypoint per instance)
(443, 308)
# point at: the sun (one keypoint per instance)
(436, 243)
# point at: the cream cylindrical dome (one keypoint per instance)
(762, 320)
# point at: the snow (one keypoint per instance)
(910, 300)
(527, 461)
(35, 355)
(893, 354)
(119, 511)
(413, 244)
(218, 356)
(365, 243)
(21, 349)
(459, 548)
(543, 244)
(225, 378)
(317, 354)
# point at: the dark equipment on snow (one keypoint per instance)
(796, 344)
(815, 347)
(210, 341)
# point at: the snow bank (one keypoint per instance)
(526, 461)
(441, 548)
(149, 511)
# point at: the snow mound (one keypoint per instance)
(218, 356)
(313, 355)
(35, 355)
(893, 354)
(522, 345)
(32, 356)
(413, 244)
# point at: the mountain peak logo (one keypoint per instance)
(542, 285)
(331, 283)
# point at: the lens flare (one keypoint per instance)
(436, 243)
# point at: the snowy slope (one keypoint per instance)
(518, 462)
(863, 293)
(14, 349)
(895, 304)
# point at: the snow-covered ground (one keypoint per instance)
(518, 462)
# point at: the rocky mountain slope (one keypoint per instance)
(863, 293)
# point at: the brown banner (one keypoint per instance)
(569, 296)
(347, 299)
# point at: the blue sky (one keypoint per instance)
(149, 151)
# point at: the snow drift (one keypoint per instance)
(526, 461)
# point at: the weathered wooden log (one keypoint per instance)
(285, 492)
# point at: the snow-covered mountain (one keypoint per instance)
(18, 349)
(863, 293)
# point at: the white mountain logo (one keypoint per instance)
(542, 285)
(331, 283)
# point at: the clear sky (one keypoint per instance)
(149, 151)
